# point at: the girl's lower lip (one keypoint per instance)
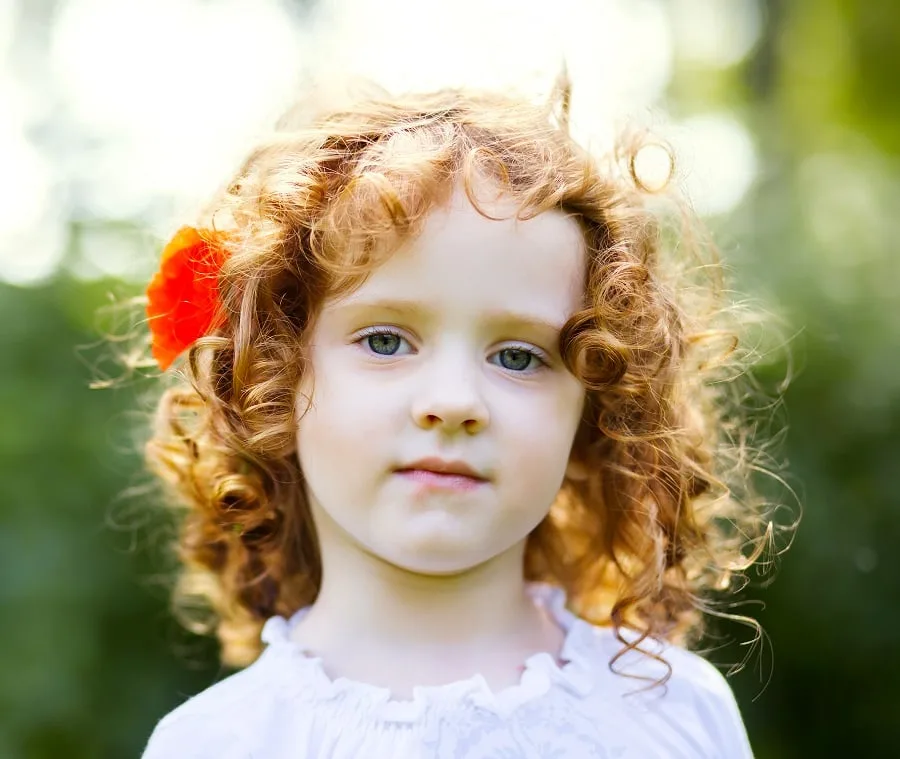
(443, 481)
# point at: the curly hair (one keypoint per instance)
(663, 513)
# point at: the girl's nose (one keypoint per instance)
(450, 395)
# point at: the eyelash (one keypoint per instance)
(539, 355)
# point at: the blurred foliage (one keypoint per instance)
(91, 657)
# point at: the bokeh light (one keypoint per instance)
(161, 98)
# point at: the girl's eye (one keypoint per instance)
(383, 342)
(519, 359)
(386, 342)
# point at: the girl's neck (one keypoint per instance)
(365, 600)
(378, 624)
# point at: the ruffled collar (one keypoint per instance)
(541, 671)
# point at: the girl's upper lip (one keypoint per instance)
(443, 466)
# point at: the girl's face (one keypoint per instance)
(448, 351)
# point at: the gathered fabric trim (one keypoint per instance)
(306, 674)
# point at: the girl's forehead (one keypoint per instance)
(461, 258)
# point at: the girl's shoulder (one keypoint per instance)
(211, 722)
(655, 659)
(694, 698)
(683, 674)
(615, 667)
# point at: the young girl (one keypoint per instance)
(452, 444)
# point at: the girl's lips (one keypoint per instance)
(441, 481)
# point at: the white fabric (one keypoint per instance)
(284, 706)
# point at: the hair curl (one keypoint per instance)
(664, 511)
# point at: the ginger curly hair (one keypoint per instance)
(663, 516)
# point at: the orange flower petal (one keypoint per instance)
(183, 296)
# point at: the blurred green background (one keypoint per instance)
(800, 106)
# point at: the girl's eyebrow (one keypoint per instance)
(495, 317)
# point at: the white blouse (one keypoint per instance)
(284, 706)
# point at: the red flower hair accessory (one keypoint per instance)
(183, 296)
